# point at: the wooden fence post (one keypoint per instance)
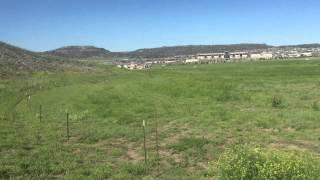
(157, 144)
(40, 113)
(144, 141)
(68, 125)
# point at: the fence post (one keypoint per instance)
(68, 125)
(144, 141)
(40, 113)
(157, 143)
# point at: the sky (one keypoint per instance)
(125, 25)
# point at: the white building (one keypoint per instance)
(225, 55)
(170, 62)
(306, 54)
(209, 56)
(238, 55)
(133, 66)
(263, 55)
(190, 61)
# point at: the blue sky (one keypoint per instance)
(123, 25)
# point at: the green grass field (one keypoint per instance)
(199, 111)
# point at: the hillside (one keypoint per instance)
(161, 52)
(79, 52)
(82, 52)
(192, 49)
(14, 60)
(85, 52)
(315, 45)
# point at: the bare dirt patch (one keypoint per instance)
(298, 145)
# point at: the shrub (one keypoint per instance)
(242, 162)
(315, 106)
(276, 101)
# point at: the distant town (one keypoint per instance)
(223, 57)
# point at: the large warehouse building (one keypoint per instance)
(234, 56)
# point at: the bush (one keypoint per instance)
(242, 162)
(276, 101)
(315, 106)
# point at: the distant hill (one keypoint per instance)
(24, 59)
(79, 52)
(8, 52)
(14, 60)
(192, 49)
(315, 45)
(161, 52)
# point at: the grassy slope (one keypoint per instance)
(201, 110)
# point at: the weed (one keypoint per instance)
(243, 162)
(277, 101)
(315, 106)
